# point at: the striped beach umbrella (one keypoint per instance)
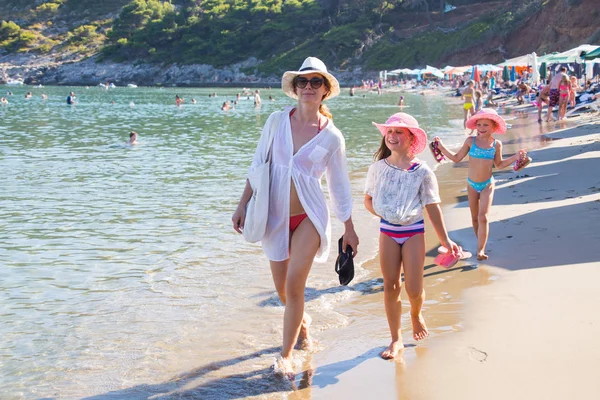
(505, 75)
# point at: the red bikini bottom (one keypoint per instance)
(296, 220)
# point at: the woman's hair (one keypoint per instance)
(323, 109)
(478, 93)
(384, 152)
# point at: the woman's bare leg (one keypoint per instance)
(485, 203)
(279, 272)
(390, 259)
(413, 261)
(305, 242)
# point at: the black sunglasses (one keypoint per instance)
(301, 82)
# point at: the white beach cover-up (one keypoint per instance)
(399, 196)
(323, 154)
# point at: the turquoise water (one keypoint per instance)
(119, 268)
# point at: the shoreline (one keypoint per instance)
(34, 70)
(492, 309)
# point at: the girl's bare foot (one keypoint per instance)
(305, 341)
(419, 328)
(481, 255)
(392, 351)
(283, 367)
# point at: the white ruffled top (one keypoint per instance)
(400, 195)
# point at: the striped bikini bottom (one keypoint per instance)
(401, 233)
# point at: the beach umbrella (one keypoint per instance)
(476, 77)
(513, 74)
(505, 75)
(535, 79)
(543, 71)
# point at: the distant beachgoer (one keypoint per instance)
(398, 189)
(484, 153)
(524, 89)
(71, 98)
(573, 90)
(3, 100)
(194, 101)
(543, 97)
(352, 90)
(478, 100)
(271, 98)
(133, 136)
(257, 100)
(467, 96)
(225, 106)
(564, 88)
(44, 96)
(28, 95)
(401, 101)
(555, 91)
(178, 100)
(308, 146)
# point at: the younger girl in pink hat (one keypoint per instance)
(399, 186)
(484, 153)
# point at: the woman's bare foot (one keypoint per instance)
(392, 351)
(283, 367)
(305, 341)
(481, 255)
(419, 328)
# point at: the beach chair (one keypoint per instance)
(592, 105)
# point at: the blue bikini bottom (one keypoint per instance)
(479, 186)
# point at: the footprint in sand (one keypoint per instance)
(477, 355)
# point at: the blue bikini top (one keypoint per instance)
(478, 152)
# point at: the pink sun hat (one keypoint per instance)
(404, 120)
(492, 115)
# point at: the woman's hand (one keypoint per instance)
(238, 219)
(350, 238)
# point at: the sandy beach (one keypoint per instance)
(521, 326)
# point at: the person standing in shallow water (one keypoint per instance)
(306, 145)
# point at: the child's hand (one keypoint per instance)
(450, 245)
(437, 139)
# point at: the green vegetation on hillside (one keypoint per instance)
(277, 32)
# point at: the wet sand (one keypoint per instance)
(522, 325)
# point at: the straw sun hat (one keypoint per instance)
(404, 120)
(311, 65)
(487, 113)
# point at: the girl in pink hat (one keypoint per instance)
(399, 186)
(484, 153)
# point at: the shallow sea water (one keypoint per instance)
(120, 273)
